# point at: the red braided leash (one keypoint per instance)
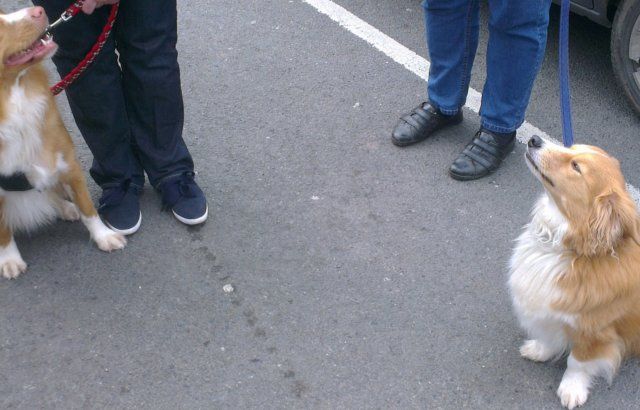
(93, 53)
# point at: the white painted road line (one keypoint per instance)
(414, 62)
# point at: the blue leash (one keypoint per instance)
(565, 92)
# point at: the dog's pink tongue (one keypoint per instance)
(19, 59)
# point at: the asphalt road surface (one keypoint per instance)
(362, 275)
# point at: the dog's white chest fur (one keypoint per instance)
(21, 151)
(537, 263)
(20, 131)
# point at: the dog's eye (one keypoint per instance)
(576, 167)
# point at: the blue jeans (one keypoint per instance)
(517, 41)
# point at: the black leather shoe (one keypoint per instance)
(480, 158)
(420, 124)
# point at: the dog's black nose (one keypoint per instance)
(535, 142)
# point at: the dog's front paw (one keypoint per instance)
(106, 239)
(573, 392)
(536, 351)
(12, 268)
(110, 241)
(11, 263)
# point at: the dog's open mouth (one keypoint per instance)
(537, 170)
(40, 48)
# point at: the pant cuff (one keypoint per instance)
(445, 110)
(170, 177)
(116, 184)
(496, 128)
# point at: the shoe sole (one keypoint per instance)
(467, 177)
(192, 222)
(406, 144)
(126, 232)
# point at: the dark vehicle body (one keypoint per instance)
(623, 16)
(600, 11)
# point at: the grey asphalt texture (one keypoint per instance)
(364, 277)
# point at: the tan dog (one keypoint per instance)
(35, 145)
(575, 272)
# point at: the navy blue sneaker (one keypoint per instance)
(120, 208)
(184, 197)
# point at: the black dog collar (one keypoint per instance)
(17, 182)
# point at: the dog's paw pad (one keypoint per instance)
(12, 268)
(69, 212)
(572, 393)
(111, 242)
(535, 351)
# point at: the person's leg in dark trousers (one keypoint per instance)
(146, 37)
(146, 40)
(98, 106)
(96, 98)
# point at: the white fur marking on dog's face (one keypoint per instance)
(15, 16)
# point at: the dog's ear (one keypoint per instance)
(614, 217)
(627, 213)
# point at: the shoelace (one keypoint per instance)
(175, 189)
(113, 196)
